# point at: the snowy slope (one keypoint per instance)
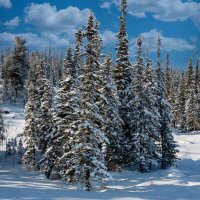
(180, 183)
(13, 122)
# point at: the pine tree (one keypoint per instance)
(168, 83)
(87, 161)
(19, 71)
(78, 52)
(30, 127)
(122, 77)
(8, 86)
(29, 132)
(168, 145)
(2, 129)
(2, 137)
(143, 127)
(67, 113)
(1, 79)
(197, 93)
(42, 95)
(172, 96)
(179, 110)
(190, 74)
(38, 117)
(113, 128)
(191, 121)
(150, 86)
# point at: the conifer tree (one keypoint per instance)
(144, 129)
(197, 93)
(67, 113)
(113, 128)
(30, 127)
(168, 83)
(8, 86)
(2, 129)
(42, 99)
(61, 118)
(179, 110)
(19, 70)
(29, 157)
(78, 53)
(189, 83)
(122, 77)
(168, 145)
(191, 121)
(88, 158)
(172, 96)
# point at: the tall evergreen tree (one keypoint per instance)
(19, 71)
(172, 96)
(61, 117)
(8, 87)
(78, 53)
(189, 83)
(191, 121)
(88, 158)
(168, 145)
(197, 93)
(29, 157)
(122, 77)
(179, 110)
(2, 136)
(168, 83)
(113, 128)
(145, 131)
(30, 128)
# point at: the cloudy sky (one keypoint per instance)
(53, 23)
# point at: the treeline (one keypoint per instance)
(106, 115)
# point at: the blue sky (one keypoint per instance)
(53, 23)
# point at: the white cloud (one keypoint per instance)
(5, 3)
(36, 40)
(12, 23)
(106, 5)
(164, 10)
(47, 18)
(168, 43)
(109, 37)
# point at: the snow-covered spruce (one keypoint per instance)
(168, 145)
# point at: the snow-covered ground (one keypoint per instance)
(181, 183)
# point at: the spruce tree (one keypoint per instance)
(67, 113)
(8, 86)
(20, 67)
(168, 83)
(122, 77)
(168, 145)
(2, 129)
(78, 53)
(42, 99)
(113, 128)
(191, 121)
(197, 93)
(61, 117)
(30, 127)
(144, 128)
(172, 96)
(189, 83)
(179, 110)
(29, 132)
(87, 161)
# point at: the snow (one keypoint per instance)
(180, 183)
